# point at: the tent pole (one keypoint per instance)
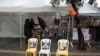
(72, 32)
(20, 31)
(68, 28)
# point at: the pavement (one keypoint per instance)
(11, 47)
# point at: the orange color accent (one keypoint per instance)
(73, 13)
(70, 10)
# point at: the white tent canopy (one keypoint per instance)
(86, 9)
(23, 3)
(26, 6)
(20, 8)
(42, 6)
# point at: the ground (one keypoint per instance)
(12, 47)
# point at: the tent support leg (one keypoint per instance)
(20, 32)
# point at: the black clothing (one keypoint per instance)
(27, 30)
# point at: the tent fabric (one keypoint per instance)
(90, 14)
(88, 9)
(12, 30)
(22, 3)
(10, 24)
(85, 9)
